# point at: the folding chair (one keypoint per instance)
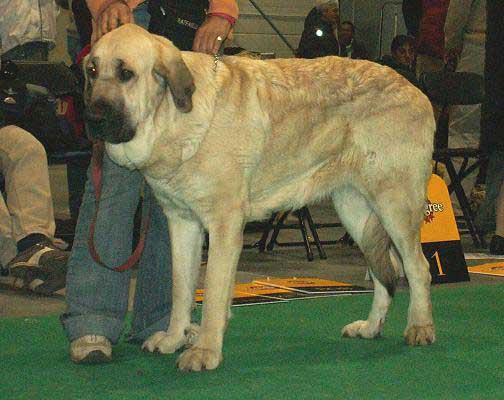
(449, 89)
(305, 225)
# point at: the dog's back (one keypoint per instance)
(319, 124)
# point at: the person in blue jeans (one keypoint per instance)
(97, 297)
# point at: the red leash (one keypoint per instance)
(96, 176)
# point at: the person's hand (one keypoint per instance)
(114, 15)
(208, 35)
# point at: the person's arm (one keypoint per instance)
(226, 8)
(456, 21)
(222, 15)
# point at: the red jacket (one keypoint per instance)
(430, 39)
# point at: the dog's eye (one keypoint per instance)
(92, 71)
(125, 74)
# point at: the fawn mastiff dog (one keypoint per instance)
(223, 142)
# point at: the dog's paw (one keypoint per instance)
(168, 343)
(419, 335)
(197, 359)
(361, 329)
(151, 343)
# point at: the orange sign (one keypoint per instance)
(439, 220)
(248, 290)
(495, 269)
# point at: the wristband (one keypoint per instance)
(106, 4)
(227, 17)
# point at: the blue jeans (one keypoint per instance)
(97, 298)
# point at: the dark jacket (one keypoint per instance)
(313, 45)
(359, 52)
(406, 72)
(412, 12)
(492, 112)
(177, 20)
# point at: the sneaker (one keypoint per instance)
(42, 267)
(497, 245)
(91, 349)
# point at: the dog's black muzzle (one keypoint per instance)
(107, 122)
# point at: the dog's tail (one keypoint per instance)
(381, 254)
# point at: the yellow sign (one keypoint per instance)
(495, 269)
(292, 283)
(247, 290)
(439, 220)
(271, 290)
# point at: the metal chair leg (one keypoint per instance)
(261, 244)
(304, 234)
(276, 231)
(455, 183)
(313, 229)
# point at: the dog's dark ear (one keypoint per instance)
(171, 68)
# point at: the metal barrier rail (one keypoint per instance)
(270, 22)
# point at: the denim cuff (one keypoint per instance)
(76, 326)
(145, 329)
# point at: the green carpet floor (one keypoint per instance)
(282, 351)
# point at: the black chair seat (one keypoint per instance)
(457, 153)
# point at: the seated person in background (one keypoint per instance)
(27, 219)
(402, 57)
(350, 47)
(27, 29)
(319, 38)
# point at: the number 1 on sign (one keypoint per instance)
(438, 263)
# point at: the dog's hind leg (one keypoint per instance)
(365, 228)
(403, 225)
(186, 241)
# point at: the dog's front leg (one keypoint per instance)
(226, 241)
(186, 241)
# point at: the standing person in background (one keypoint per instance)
(412, 12)
(491, 213)
(350, 47)
(430, 38)
(319, 34)
(97, 297)
(464, 29)
(27, 29)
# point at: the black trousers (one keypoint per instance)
(492, 112)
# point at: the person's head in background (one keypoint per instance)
(329, 12)
(346, 33)
(403, 50)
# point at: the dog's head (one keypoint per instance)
(127, 75)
